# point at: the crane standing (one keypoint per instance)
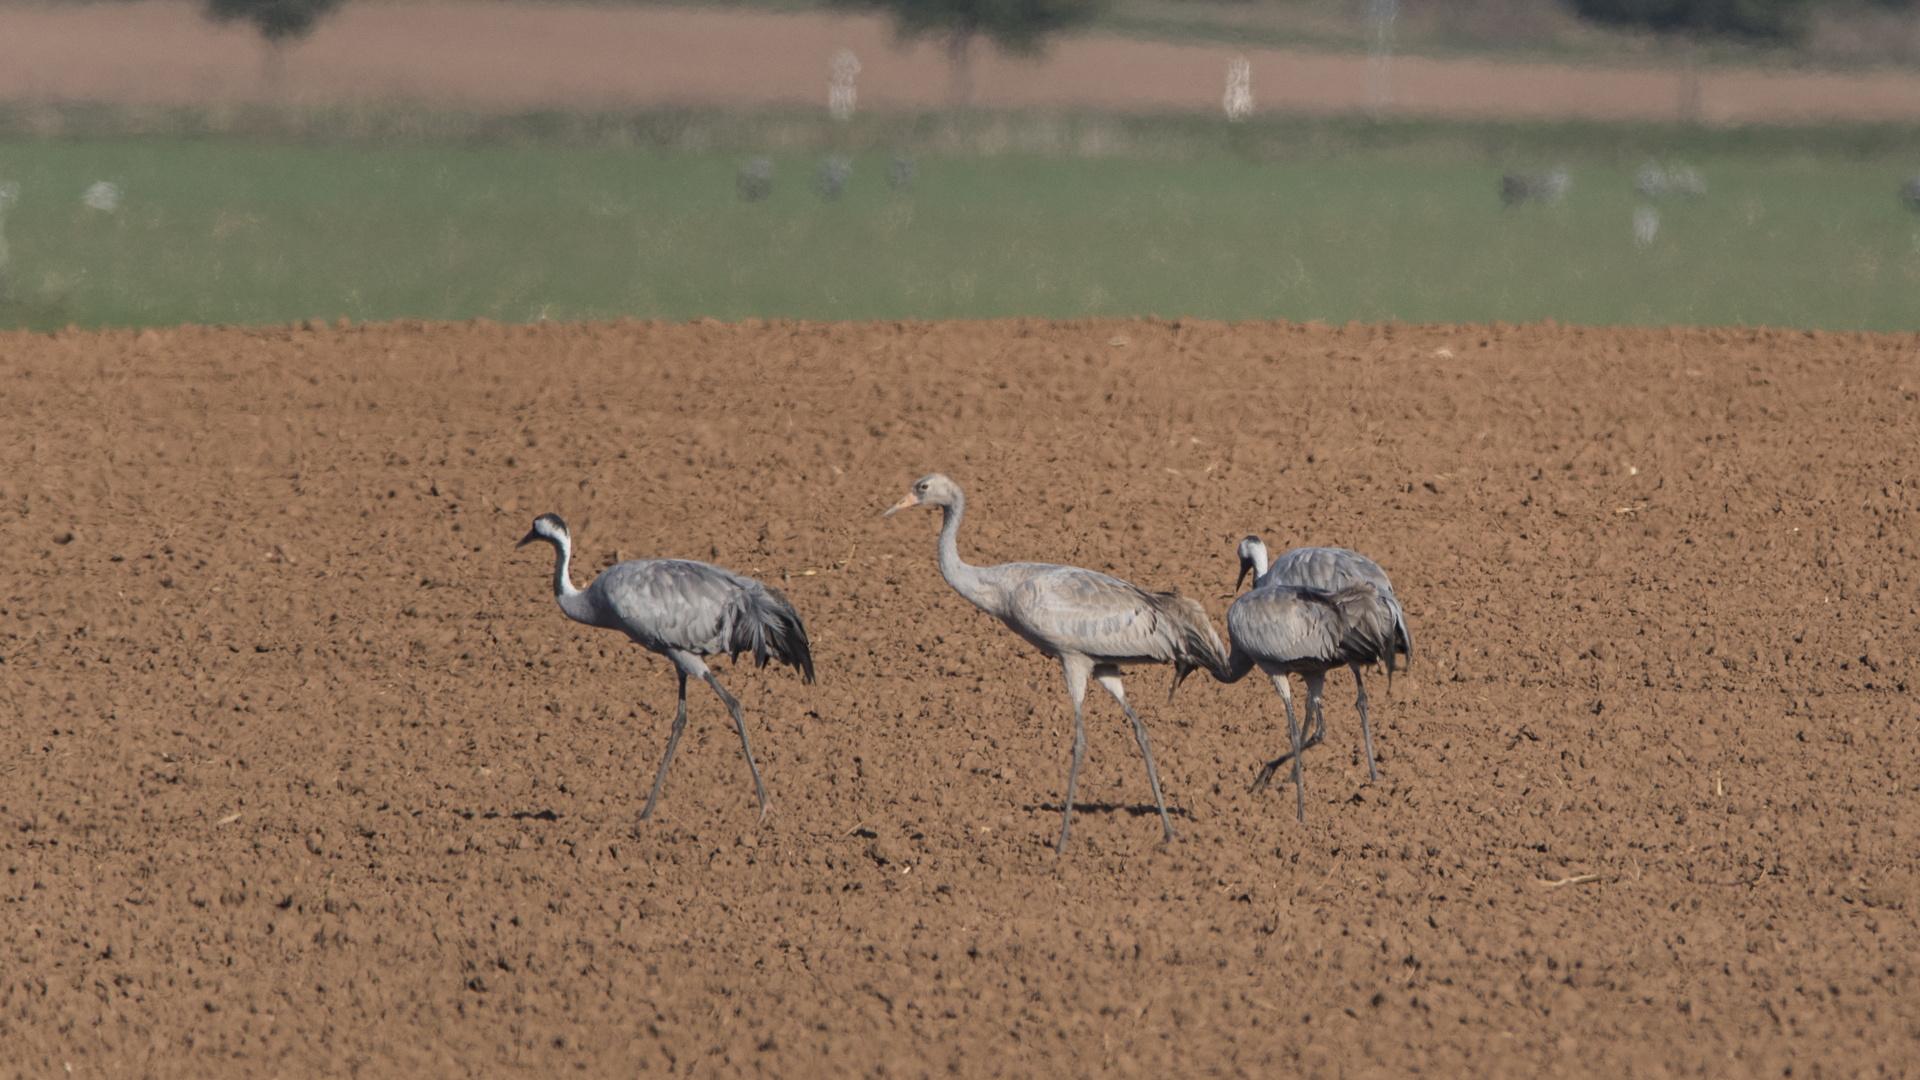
(683, 610)
(1089, 622)
(1340, 610)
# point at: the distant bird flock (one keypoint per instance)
(1311, 611)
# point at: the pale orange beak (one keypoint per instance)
(907, 503)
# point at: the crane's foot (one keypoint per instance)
(1271, 767)
(1266, 774)
(766, 811)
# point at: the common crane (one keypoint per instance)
(1302, 635)
(1089, 622)
(683, 610)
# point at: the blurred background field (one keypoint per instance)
(524, 161)
(554, 218)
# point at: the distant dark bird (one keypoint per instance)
(683, 610)
(901, 175)
(1089, 622)
(755, 179)
(1517, 188)
(835, 170)
(1314, 610)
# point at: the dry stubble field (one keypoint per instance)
(305, 774)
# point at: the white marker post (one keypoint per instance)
(1646, 225)
(1239, 99)
(842, 68)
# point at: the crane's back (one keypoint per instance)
(1297, 627)
(1327, 569)
(695, 607)
(1334, 569)
(1065, 608)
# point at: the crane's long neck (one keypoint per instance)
(966, 580)
(1238, 665)
(573, 602)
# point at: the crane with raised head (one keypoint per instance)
(683, 610)
(1090, 622)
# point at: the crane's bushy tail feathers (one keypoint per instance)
(1195, 644)
(770, 628)
(1371, 630)
(1404, 646)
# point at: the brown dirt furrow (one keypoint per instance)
(303, 773)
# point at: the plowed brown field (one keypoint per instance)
(305, 774)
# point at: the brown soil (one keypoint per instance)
(305, 773)
(521, 56)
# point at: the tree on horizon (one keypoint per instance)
(1764, 20)
(279, 22)
(1016, 27)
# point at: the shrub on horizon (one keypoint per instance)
(1771, 20)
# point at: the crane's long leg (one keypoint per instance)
(1293, 736)
(1318, 704)
(740, 723)
(1366, 728)
(1271, 767)
(673, 741)
(1076, 669)
(1316, 691)
(1110, 678)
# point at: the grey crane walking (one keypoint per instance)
(1089, 622)
(1313, 610)
(683, 610)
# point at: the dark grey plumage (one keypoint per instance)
(1325, 569)
(1090, 622)
(683, 610)
(1549, 187)
(1313, 610)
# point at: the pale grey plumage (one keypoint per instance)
(1313, 610)
(1090, 622)
(683, 610)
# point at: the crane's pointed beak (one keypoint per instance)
(527, 539)
(907, 503)
(1180, 673)
(1246, 567)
